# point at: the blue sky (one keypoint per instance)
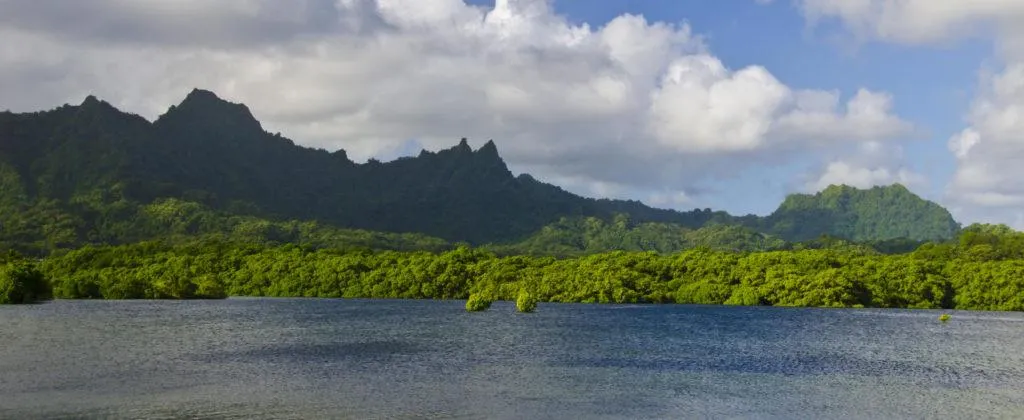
(732, 106)
(932, 86)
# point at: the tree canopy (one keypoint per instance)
(984, 270)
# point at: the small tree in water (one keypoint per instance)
(21, 282)
(526, 302)
(477, 302)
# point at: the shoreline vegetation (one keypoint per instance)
(982, 270)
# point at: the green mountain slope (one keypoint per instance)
(878, 213)
(589, 235)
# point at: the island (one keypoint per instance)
(202, 203)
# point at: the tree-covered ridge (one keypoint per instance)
(577, 236)
(589, 235)
(48, 226)
(65, 170)
(983, 270)
(877, 213)
(44, 227)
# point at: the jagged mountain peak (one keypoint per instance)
(94, 109)
(202, 94)
(202, 105)
(90, 100)
(486, 156)
(489, 150)
(209, 100)
(92, 103)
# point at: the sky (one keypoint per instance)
(728, 104)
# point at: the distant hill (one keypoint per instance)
(877, 213)
(85, 174)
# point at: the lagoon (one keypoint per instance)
(335, 358)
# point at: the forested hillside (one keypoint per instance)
(877, 213)
(580, 236)
(92, 174)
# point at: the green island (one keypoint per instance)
(202, 203)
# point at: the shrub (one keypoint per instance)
(21, 282)
(477, 303)
(526, 302)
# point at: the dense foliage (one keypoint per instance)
(583, 236)
(983, 270)
(42, 229)
(20, 281)
(85, 174)
(580, 236)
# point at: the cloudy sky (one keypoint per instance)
(728, 104)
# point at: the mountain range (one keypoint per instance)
(91, 173)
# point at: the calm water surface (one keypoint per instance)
(313, 358)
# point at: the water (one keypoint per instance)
(312, 358)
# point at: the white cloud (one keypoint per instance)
(642, 106)
(703, 107)
(871, 164)
(670, 199)
(867, 117)
(917, 21)
(841, 172)
(989, 174)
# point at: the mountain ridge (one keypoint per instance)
(85, 160)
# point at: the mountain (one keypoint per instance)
(86, 174)
(877, 213)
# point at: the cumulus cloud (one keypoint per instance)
(631, 108)
(867, 118)
(839, 172)
(871, 164)
(917, 21)
(703, 107)
(989, 152)
(986, 183)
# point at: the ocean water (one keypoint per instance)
(366, 359)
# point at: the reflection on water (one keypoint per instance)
(313, 358)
